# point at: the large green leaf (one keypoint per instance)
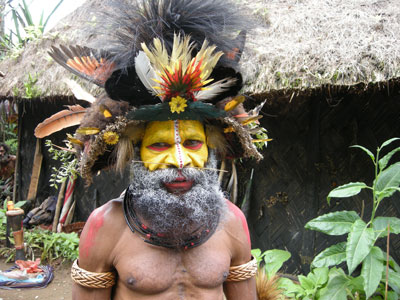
(331, 256)
(389, 178)
(335, 223)
(385, 160)
(274, 260)
(370, 154)
(346, 190)
(371, 270)
(336, 288)
(380, 225)
(359, 243)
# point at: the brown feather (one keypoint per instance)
(63, 119)
(268, 288)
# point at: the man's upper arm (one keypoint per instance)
(241, 254)
(95, 248)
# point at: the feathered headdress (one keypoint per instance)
(169, 60)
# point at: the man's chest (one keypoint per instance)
(150, 269)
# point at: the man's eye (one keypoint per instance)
(193, 144)
(159, 146)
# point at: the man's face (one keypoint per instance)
(179, 144)
(2, 151)
(174, 144)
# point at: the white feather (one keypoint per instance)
(215, 89)
(78, 91)
(146, 72)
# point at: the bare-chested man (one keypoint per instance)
(172, 107)
(176, 203)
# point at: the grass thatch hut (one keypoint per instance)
(330, 72)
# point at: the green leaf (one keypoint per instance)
(371, 270)
(380, 225)
(389, 178)
(336, 288)
(335, 223)
(346, 190)
(392, 263)
(357, 283)
(320, 275)
(359, 243)
(274, 260)
(331, 256)
(389, 142)
(394, 281)
(290, 288)
(392, 295)
(385, 160)
(306, 283)
(52, 12)
(371, 155)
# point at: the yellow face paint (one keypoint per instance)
(179, 143)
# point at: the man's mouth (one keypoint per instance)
(179, 186)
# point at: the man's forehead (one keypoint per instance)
(187, 129)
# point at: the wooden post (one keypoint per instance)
(58, 207)
(37, 166)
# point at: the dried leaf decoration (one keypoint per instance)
(63, 119)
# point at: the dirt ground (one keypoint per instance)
(58, 289)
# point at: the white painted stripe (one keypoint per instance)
(178, 147)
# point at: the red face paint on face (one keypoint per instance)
(95, 222)
(239, 214)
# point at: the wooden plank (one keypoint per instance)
(37, 165)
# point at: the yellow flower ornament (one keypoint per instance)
(177, 104)
(110, 137)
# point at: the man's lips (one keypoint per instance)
(179, 186)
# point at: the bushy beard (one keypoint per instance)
(178, 217)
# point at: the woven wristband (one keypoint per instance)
(243, 272)
(91, 279)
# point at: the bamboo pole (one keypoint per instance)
(58, 207)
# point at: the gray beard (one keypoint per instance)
(178, 217)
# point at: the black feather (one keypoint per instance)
(127, 24)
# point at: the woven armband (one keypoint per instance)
(243, 272)
(92, 279)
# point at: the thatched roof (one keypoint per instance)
(312, 44)
(35, 62)
(296, 47)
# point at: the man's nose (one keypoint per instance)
(179, 157)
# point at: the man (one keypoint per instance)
(7, 162)
(171, 107)
(175, 202)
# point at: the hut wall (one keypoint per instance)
(308, 157)
(106, 186)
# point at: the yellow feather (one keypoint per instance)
(88, 130)
(261, 140)
(234, 102)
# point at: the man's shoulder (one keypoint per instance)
(102, 231)
(237, 229)
(110, 213)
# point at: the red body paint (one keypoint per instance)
(239, 214)
(95, 222)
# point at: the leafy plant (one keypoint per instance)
(31, 90)
(53, 245)
(69, 164)
(377, 267)
(25, 28)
